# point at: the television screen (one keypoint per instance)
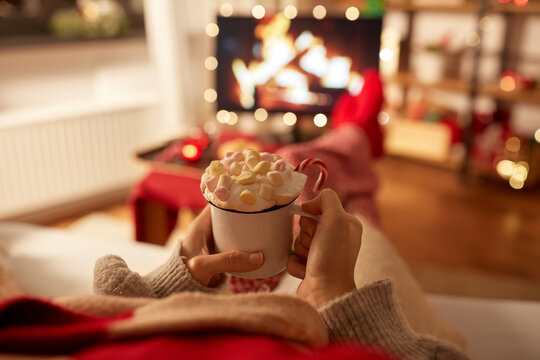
(300, 65)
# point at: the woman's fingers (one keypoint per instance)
(204, 267)
(299, 248)
(296, 267)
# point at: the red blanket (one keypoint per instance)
(38, 327)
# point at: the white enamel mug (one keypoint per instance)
(268, 231)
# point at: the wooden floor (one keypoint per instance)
(434, 219)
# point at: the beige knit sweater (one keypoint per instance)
(369, 315)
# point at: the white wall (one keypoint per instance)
(35, 76)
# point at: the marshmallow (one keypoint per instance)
(275, 178)
(280, 165)
(251, 152)
(266, 192)
(222, 193)
(203, 181)
(227, 162)
(225, 181)
(211, 183)
(265, 156)
(251, 162)
(282, 199)
(262, 167)
(235, 168)
(238, 156)
(216, 168)
(246, 178)
(248, 197)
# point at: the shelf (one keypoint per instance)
(407, 79)
(462, 86)
(467, 6)
(520, 95)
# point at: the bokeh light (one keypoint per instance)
(210, 95)
(472, 39)
(516, 183)
(486, 23)
(290, 12)
(352, 13)
(521, 3)
(258, 11)
(212, 30)
(226, 9)
(537, 135)
(320, 120)
(233, 118)
(210, 63)
(505, 168)
(260, 114)
(223, 116)
(386, 54)
(319, 12)
(507, 83)
(513, 144)
(289, 118)
(383, 118)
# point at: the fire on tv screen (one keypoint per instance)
(300, 65)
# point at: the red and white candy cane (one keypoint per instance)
(322, 175)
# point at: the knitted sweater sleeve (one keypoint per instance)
(112, 276)
(371, 316)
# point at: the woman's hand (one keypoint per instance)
(325, 253)
(205, 266)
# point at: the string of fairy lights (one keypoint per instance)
(258, 11)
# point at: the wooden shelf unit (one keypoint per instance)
(472, 88)
(462, 86)
(466, 6)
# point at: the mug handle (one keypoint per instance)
(297, 209)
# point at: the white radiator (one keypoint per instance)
(79, 153)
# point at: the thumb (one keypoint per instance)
(204, 267)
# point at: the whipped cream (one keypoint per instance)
(250, 181)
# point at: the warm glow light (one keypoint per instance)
(210, 95)
(191, 152)
(233, 118)
(223, 116)
(472, 39)
(210, 63)
(521, 3)
(90, 12)
(226, 9)
(258, 11)
(516, 183)
(319, 12)
(320, 120)
(383, 118)
(289, 118)
(513, 144)
(537, 135)
(508, 83)
(212, 30)
(486, 23)
(386, 54)
(520, 172)
(260, 114)
(505, 168)
(290, 12)
(352, 13)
